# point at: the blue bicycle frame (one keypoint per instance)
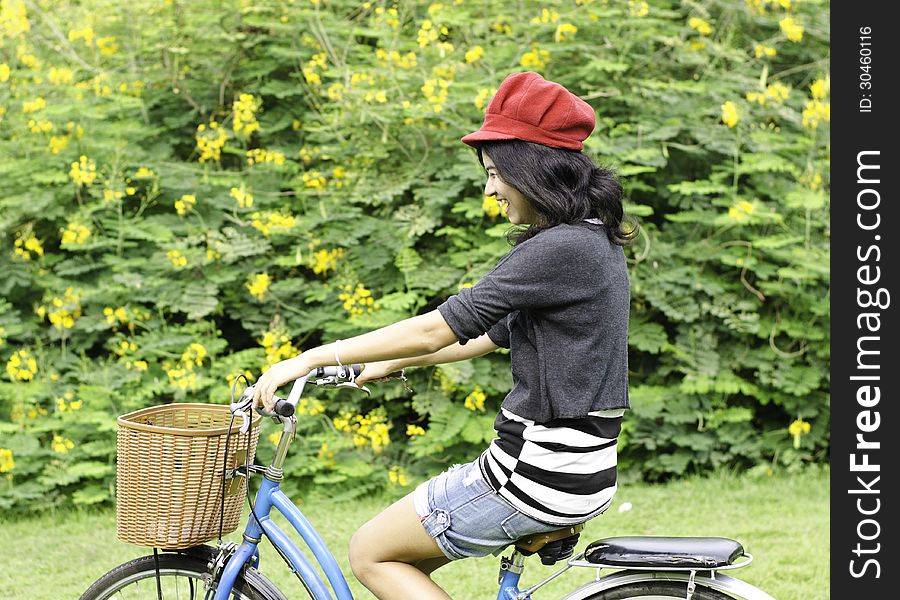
(270, 496)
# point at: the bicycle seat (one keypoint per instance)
(649, 551)
(552, 546)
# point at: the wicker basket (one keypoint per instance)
(169, 474)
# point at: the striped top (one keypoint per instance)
(562, 472)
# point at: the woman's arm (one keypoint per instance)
(374, 370)
(413, 337)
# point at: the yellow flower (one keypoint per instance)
(60, 76)
(210, 141)
(261, 155)
(258, 285)
(325, 260)
(475, 400)
(427, 33)
(194, 355)
(4, 72)
(741, 211)
(371, 429)
(86, 33)
(816, 112)
(483, 95)
(144, 172)
(83, 172)
(244, 112)
(791, 29)
(7, 463)
(107, 45)
(820, 88)
(546, 16)
(760, 50)
(58, 143)
(308, 154)
(185, 203)
(359, 301)
(535, 58)
(501, 26)
(475, 54)
(26, 244)
(314, 179)
(30, 106)
(65, 310)
(565, 31)
(274, 438)
(244, 199)
(730, 114)
(278, 347)
(61, 445)
(638, 8)
(398, 476)
(266, 222)
(491, 206)
(177, 259)
(74, 233)
(798, 428)
(414, 430)
(702, 27)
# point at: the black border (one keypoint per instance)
(854, 131)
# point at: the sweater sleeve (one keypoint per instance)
(540, 272)
(499, 333)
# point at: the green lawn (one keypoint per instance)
(781, 520)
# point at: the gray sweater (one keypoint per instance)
(559, 302)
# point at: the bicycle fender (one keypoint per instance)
(722, 583)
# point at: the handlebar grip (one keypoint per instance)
(283, 407)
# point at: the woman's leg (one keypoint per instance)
(384, 552)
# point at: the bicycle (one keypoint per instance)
(648, 568)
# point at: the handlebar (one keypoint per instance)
(285, 408)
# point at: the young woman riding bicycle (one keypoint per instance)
(559, 301)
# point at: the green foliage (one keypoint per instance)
(262, 177)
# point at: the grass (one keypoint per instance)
(782, 520)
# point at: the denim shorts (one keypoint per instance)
(467, 518)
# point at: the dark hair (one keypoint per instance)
(563, 186)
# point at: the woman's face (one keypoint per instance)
(512, 203)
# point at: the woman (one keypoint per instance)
(559, 301)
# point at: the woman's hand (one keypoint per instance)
(375, 371)
(277, 375)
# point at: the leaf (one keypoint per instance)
(647, 337)
(639, 210)
(90, 470)
(766, 163)
(805, 198)
(699, 187)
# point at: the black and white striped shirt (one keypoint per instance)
(562, 472)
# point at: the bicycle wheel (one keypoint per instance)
(658, 590)
(181, 576)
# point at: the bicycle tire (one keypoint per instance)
(137, 578)
(658, 590)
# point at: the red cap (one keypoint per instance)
(528, 107)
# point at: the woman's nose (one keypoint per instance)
(489, 188)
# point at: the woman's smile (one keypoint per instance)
(512, 202)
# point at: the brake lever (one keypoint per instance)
(245, 424)
(353, 386)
